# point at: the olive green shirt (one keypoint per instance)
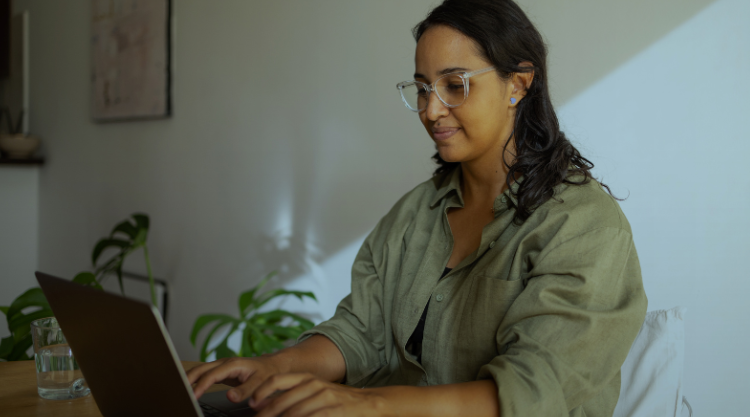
(548, 309)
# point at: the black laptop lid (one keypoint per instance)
(123, 351)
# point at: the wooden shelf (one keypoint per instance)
(28, 161)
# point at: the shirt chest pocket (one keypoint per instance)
(484, 307)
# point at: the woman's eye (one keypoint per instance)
(421, 91)
(455, 87)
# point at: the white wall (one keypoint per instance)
(289, 141)
(666, 131)
(19, 244)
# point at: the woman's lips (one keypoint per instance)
(444, 133)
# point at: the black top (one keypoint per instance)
(414, 345)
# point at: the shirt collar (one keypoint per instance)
(452, 182)
(447, 183)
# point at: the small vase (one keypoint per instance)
(19, 146)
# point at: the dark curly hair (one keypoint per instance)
(506, 37)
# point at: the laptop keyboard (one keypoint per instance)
(209, 411)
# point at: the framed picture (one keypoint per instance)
(130, 43)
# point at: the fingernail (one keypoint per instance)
(252, 402)
(233, 395)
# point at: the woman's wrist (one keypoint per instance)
(282, 360)
(382, 403)
(400, 401)
(317, 355)
(475, 398)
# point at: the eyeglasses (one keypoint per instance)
(452, 90)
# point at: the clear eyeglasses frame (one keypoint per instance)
(416, 94)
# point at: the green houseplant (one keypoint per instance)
(262, 332)
(127, 236)
(14, 347)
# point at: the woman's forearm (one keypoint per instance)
(475, 399)
(317, 355)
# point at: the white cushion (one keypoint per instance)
(652, 372)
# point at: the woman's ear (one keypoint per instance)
(520, 83)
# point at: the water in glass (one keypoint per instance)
(57, 374)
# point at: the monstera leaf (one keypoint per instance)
(28, 307)
(126, 237)
(261, 332)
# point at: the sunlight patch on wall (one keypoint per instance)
(332, 279)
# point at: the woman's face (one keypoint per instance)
(478, 128)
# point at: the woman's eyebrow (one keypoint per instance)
(442, 72)
(450, 70)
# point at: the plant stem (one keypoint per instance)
(150, 275)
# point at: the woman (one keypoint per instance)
(508, 284)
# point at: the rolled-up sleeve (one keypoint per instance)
(357, 327)
(569, 331)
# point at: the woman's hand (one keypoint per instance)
(317, 354)
(303, 394)
(245, 374)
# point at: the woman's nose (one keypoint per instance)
(435, 108)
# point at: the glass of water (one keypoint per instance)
(57, 374)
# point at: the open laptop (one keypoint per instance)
(126, 355)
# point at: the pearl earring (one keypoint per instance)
(513, 100)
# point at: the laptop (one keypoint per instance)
(126, 355)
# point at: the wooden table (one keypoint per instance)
(19, 397)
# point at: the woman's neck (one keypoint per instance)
(483, 180)
(481, 186)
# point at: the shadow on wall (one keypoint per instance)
(588, 39)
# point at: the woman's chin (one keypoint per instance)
(448, 156)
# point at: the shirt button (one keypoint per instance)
(492, 244)
(439, 297)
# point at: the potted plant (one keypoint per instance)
(262, 332)
(127, 236)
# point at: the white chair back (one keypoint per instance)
(652, 372)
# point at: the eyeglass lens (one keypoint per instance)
(450, 89)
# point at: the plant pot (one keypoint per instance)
(18, 146)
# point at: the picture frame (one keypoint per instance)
(131, 54)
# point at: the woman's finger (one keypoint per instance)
(301, 392)
(307, 405)
(229, 369)
(194, 373)
(278, 382)
(245, 390)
